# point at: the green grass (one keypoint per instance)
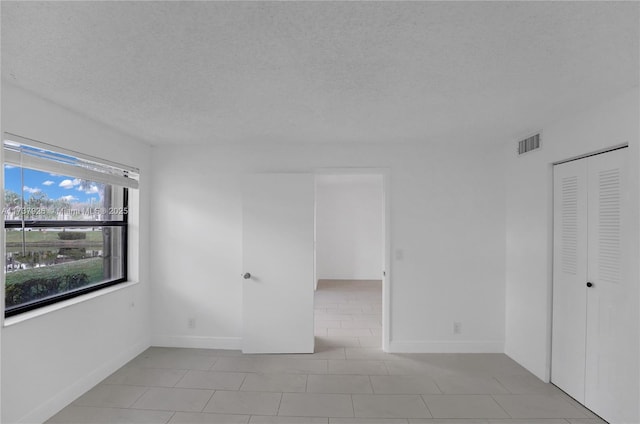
(92, 267)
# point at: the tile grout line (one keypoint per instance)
(501, 407)
(503, 386)
(437, 385)
(139, 397)
(384, 364)
(353, 407)
(207, 402)
(181, 378)
(279, 404)
(171, 417)
(425, 405)
(215, 361)
(243, 380)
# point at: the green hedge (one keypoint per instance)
(93, 267)
(72, 235)
(39, 288)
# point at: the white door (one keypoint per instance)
(569, 277)
(608, 343)
(278, 233)
(592, 351)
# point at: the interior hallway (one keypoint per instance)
(348, 313)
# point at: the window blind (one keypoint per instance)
(23, 152)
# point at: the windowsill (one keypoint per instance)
(25, 316)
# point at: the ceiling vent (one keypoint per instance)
(529, 144)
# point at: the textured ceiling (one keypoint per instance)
(236, 72)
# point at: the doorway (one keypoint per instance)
(350, 257)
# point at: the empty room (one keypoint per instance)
(320, 212)
(350, 267)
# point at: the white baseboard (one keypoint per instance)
(200, 342)
(415, 346)
(376, 277)
(67, 395)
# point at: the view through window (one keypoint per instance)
(65, 232)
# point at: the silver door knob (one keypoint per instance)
(246, 275)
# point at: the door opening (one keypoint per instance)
(350, 258)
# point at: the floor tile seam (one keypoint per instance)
(219, 372)
(184, 374)
(184, 388)
(502, 385)
(424, 401)
(215, 361)
(288, 392)
(115, 407)
(139, 396)
(128, 367)
(166, 368)
(246, 374)
(279, 404)
(171, 417)
(222, 413)
(353, 406)
(166, 410)
(384, 364)
(435, 381)
(150, 386)
(500, 405)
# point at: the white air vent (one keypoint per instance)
(529, 144)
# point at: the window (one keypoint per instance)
(65, 223)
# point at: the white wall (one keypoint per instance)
(447, 216)
(529, 230)
(49, 360)
(349, 227)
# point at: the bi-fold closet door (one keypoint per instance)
(590, 285)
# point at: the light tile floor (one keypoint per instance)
(349, 380)
(348, 313)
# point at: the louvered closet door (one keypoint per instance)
(607, 312)
(592, 295)
(569, 278)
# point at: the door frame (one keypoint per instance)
(385, 173)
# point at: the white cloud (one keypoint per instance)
(31, 190)
(93, 189)
(48, 183)
(66, 184)
(9, 166)
(69, 183)
(68, 198)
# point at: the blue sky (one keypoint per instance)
(55, 186)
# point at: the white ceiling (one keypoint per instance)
(236, 72)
